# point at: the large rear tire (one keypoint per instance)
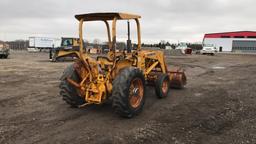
(128, 92)
(68, 92)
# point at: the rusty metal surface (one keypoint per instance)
(178, 78)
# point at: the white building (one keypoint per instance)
(241, 41)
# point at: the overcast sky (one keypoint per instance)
(170, 20)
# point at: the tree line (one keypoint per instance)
(23, 44)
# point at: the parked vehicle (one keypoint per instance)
(4, 50)
(118, 77)
(43, 43)
(67, 49)
(208, 50)
(184, 48)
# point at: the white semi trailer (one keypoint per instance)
(39, 43)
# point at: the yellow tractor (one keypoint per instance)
(68, 48)
(119, 77)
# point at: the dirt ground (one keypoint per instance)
(218, 105)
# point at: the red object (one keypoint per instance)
(238, 34)
(188, 51)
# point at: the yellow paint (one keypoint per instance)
(97, 75)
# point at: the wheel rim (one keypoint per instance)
(136, 92)
(165, 87)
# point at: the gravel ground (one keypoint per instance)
(217, 106)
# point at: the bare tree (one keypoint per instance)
(96, 43)
(86, 43)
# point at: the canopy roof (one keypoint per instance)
(105, 16)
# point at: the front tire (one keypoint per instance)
(128, 92)
(162, 85)
(68, 92)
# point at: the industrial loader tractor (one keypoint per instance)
(119, 77)
(67, 49)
